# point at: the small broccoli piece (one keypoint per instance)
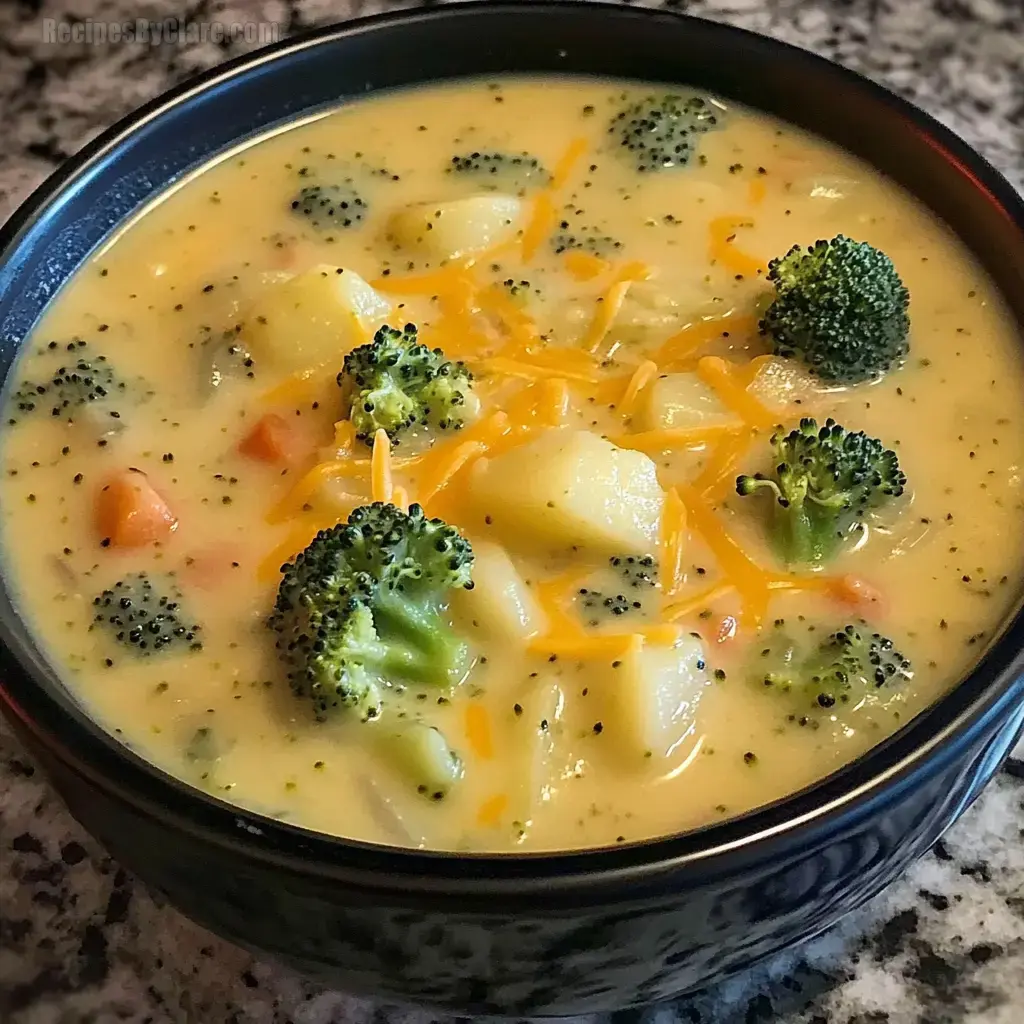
(504, 172)
(80, 385)
(363, 607)
(569, 236)
(146, 619)
(841, 308)
(396, 383)
(826, 479)
(662, 131)
(337, 205)
(635, 575)
(841, 670)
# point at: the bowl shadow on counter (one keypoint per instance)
(540, 935)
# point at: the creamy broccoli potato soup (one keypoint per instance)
(518, 465)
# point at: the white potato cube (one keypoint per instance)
(537, 761)
(571, 488)
(684, 401)
(500, 605)
(782, 383)
(313, 319)
(458, 228)
(651, 699)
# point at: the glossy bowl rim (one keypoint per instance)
(898, 761)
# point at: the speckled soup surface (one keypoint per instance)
(81, 942)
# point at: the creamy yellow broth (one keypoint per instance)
(546, 763)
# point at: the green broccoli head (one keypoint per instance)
(825, 480)
(80, 385)
(363, 607)
(841, 308)
(842, 670)
(662, 131)
(395, 383)
(493, 171)
(335, 205)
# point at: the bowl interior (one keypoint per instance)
(77, 209)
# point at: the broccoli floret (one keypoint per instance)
(396, 383)
(493, 171)
(825, 480)
(662, 131)
(633, 576)
(841, 670)
(336, 205)
(363, 607)
(80, 385)
(841, 308)
(146, 619)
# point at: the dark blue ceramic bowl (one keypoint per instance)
(527, 935)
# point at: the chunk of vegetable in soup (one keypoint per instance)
(441, 475)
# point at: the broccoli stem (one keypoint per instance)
(422, 628)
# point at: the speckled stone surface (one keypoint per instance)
(81, 942)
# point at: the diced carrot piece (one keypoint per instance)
(272, 439)
(130, 513)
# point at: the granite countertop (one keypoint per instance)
(80, 941)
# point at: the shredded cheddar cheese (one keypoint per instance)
(722, 463)
(673, 541)
(722, 250)
(491, 810)
(688, 340)
(610, 304)
(291, 504)
(296, 388)
(584, 266)
(668, 438)
(642, 376)
(542, 220)
(718, 374)
(478, 731)
(536, 371)
(381, 483)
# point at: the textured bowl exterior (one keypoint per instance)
(547, 934)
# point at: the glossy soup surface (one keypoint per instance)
(575, 726)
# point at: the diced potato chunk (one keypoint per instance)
(500, 605)
(571, 488)
(536, 761)
(781, 383)
(651, 699)
(459, 228)
(684, 401)
(313, 319)
(421, 753)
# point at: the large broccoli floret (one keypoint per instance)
(842, 670)
(146, 618)
(80, 385)
(363, 607)
(336, 205)
(395, 383)
(662, 131)
(841, 308)
(825, 480)
(509, 172)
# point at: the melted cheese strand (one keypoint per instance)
(673, 542)
(689, 339)
(381, 483)
(721, 250)
(722, 463)
(642, 376)
(718, 374)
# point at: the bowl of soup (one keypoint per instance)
(516, 509)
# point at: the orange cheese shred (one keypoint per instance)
(490, 811)
(749, 579)
(459, 457)
(722, 250)
(722, 463)
(400, 498)
(610, 303)
(291, 504)
(673, 542)
(584, 266)
(560, 175)
(718, 374)
(478, 731)
(536, 371)
(381, 483)
(542, 220)
(688, 604)
(296, 388)
(688, 340)
(642, 376)
(297, 540)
